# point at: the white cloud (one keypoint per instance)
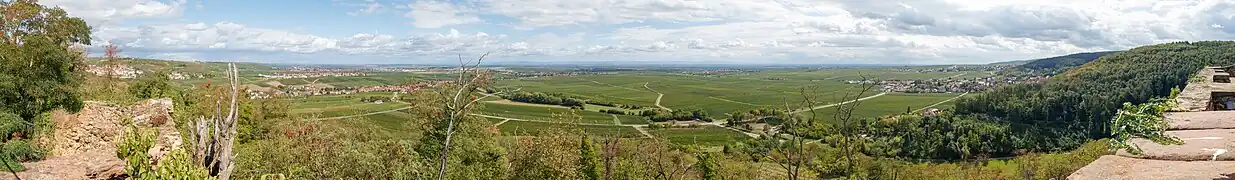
(366, 7)
(98, 12)
(796, 31)
(222, 35)
(432, 14)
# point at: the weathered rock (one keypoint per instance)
(152, 112)
(1201, 120)
(1117, 167)
(96, 126)
(1199, 145)
(1196, 95)
(94, 164)
(83, 146)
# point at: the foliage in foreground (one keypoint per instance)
(1076, 106)
(134, 148)
(1143, 121)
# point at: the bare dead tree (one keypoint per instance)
(849, 130)
(111, 53)
(215, 136)
(666, 162)
(456, 101)
(610, 150)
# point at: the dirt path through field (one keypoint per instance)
(841, 103)
(505, 119)
(944, 101)
(607, 84)
(732, 101)
(658, 96)
(360, 115)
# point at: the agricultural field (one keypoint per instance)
(553, 113)
(338, 105)
(524, 128)
(717, 94)
(889, 104)
(705, 135)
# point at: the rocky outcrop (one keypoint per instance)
(1117, 167)
(1208, 137)
(1201, 120)
(1199, 145)
(83, 144)
(1197, 94)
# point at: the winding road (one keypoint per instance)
(658, 96)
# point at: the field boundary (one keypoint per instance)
(944, 101)
(607, 84)
(505, 119)
(357, 115)
(732, 101)
(840, 103)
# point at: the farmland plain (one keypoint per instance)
(715, 93)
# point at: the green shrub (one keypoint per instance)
(1143, 121)
(133, 148)
(152, 85)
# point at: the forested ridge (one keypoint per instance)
(1061, 63)
(1076, 106)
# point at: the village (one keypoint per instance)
(950, 85)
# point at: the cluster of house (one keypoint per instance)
(310, 74)
(183, 76)
(955, 68)
(952, 85)
(710, 72)
(318, 90)
(548, 74)
(119, 70)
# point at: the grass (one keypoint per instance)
(705, 135)
(523, 128)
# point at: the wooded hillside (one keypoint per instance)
(1075, 106)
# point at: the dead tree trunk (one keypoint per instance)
(215, 136)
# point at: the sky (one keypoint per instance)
(641, 31)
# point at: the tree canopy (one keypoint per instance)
(38, 67)
(1075, 106)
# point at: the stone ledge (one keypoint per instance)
(1116, 167)
(1199, 145)
(1201, 120)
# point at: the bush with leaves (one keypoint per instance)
(1143, 121)
(152, 85)
(133, 148)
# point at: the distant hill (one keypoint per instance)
(1010, 63)
(1061, 63)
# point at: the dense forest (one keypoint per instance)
(1076, 106)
